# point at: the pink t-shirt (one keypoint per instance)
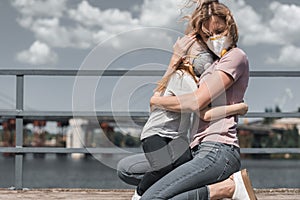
(235, 64)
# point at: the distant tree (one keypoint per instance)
(277, 109)
(268, 110)
(291, 137)
(118, 139)
(268, 120)
(129, 141)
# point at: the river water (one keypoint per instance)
(54, 171)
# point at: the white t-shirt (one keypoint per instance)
(167, 123)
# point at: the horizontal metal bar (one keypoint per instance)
(51, 150)
(128, 73)
(270, 150)
(64, 114)
(22, 113)
(69, 150)
(275, 74)
(272, 115)
(61, 115)
(83, 72)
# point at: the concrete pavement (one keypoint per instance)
(87, 194)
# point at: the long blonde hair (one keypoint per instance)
(204, 11)
(184, 67)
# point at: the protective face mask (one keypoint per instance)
(218, 44)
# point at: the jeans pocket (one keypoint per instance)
(231, 164)
(234, 157)
(226, 170)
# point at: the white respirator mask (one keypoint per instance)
(218, 44)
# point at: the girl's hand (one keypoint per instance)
(156, 94)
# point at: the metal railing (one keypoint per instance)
(20, 114)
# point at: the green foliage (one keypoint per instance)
(267, 135)
(122, 140)
(270, 120)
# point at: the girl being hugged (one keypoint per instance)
(215, 148)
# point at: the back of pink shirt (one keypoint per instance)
(235, 64)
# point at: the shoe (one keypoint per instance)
(243, 187)
(136, 196)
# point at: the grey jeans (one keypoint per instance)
(212, 162)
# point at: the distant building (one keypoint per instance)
(76, 136)
(287, 123)
(280, 133)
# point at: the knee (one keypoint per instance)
(131, 169)
(123, 172)
(125, 177)
(122, 166)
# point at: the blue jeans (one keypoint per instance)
(212, 162)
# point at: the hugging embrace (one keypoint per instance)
(207, 78)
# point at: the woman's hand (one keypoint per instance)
(242, 108)
(180, 49)
(182, 45)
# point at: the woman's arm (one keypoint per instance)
(219, 112)
(213, 85)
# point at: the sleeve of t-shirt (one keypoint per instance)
(180, 83)
(233, 63)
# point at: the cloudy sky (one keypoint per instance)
(134, 34)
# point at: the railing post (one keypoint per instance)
(19, 132)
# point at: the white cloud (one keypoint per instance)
(92, 16)
(56, 35)
(50, 31)
(88, 25)
(91, 25)
(38, 54)
(86, 14)
(25, 22)
(251, 26)
(102, 24)
(278, 30)
(40, 7)
(113, 21)
(285, 21)
(160, 13)
(289, 56)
